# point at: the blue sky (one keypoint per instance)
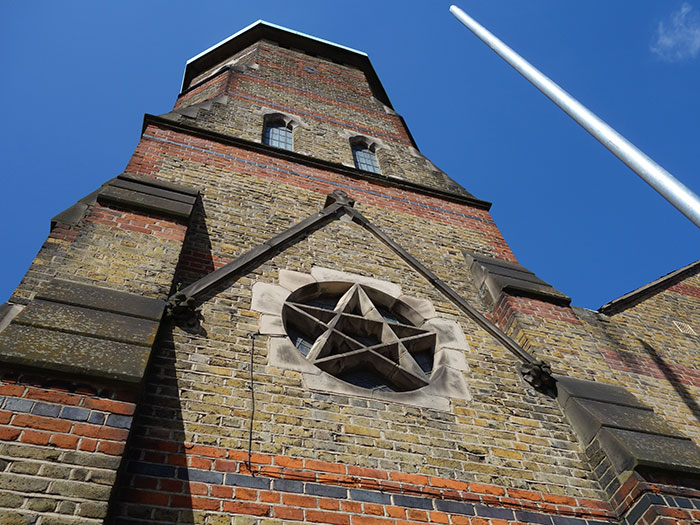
(78, 77)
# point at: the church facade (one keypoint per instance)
(281, 312)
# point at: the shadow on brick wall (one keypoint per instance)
(196, 259)
(673, 379)
(153, 484)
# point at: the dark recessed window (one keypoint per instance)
(279, 135)
(365, 159)
(360, 335)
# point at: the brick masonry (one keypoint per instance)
(209, 479)
(82, 452)
(61, 446)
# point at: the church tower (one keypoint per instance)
(282, 311)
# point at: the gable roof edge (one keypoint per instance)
(640, 294)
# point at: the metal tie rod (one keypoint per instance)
(658, 178)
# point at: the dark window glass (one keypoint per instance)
(424, 360)
(389, 317)
(278, 135)
(301, 342)
(367, 378)
(327, 303)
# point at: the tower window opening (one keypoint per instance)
(278, 134)
(365, 158)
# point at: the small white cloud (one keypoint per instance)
(678, 38)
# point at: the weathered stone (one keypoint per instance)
(102, 299)
(272, 325)
(449, 333)
(268, 298)
(327, 274)
(142, 201)
(628, 450)
(293, 280)
(588, 416)
(422, 306)
(33, 347)
(88, 321)
(581, 388)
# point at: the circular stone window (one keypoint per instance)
(354, 335)
(360, 335)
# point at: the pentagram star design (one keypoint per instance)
(359, 335)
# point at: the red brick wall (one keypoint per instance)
(138, 222)
(60, 446)
(168, 475)
(508, 305)
(686, 289)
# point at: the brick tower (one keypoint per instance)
(281, 311)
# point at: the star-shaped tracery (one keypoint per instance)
(360, 335)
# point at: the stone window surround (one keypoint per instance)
(270, 116)
(270, 119)
(446, 380)
(360, 142)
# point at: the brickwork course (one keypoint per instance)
(148, 375)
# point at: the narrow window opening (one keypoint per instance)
(365, 157)
(278, 134)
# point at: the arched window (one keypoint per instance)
(278, 133)
(364, 156)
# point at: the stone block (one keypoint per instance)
(423, 307)
(292, 280)
(449, 383)
(8, 312)
(496, 275)
(271, 325)
(142, 201)
(32, 347)
(581, 388)
(102, 299)
(71, 215)
(283, 354)
(268, 298)
(150, 181)
(423, 398)
(88, 321)
(327, 274)
(588, 416)
(153, 190)
(449, 333)
(628, 450)
(451, 358)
